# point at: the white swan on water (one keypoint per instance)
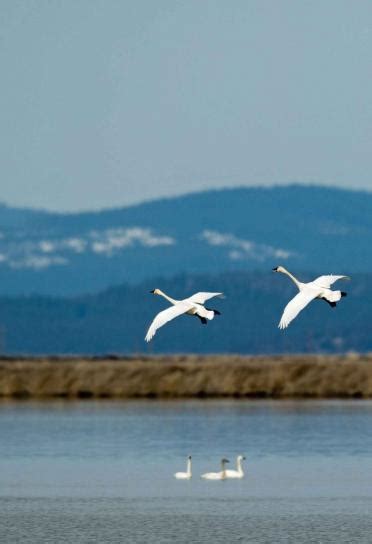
(318, 288)
(217, 475)
(193, 305)
(185, 475)
(238, 473)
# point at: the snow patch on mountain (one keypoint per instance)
(38, 262)
(77, 245)
(112, 240)
(30, 251)
(240, 248)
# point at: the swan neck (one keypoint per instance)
(189, 467)
(171, 300)
(239, 466)
(295, 280)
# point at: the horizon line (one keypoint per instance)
(274, 185)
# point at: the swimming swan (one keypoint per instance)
(217, 475)
(319, 288)
(193, 305)
(185, 475)
(238, 473)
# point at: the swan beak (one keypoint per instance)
(244, 458)
(152, 292)
(275, 269)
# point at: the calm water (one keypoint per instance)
(102, 472)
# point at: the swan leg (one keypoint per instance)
(332, 304)
(202, 319)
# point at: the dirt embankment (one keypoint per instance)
(188, 376)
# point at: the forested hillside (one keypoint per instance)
(304, 228)
(116, 320)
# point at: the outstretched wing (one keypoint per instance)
(200, 298)
(167, 315)
(294, 306)
(327, 281)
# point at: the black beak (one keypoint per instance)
(153, 291)
(275, 269)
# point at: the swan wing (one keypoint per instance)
(211, 475)
(167, 315)
(200, 298)
(298, 303)
(230, 473)
(182, 476)
(327, 281)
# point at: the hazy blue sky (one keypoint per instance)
(106, 103)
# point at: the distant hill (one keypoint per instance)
(116, 320)
(323, 229)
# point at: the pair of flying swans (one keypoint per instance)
(318, 288)
(195, 305)
(222, 475)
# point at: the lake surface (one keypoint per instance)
(102, 472)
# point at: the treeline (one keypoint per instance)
(116, 320)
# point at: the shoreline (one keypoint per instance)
(187, 376)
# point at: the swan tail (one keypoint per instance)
(216, 312)
(333, 296)
(205, 313)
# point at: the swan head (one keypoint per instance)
(225, 461)
(155, 292)
(189, 458)
(241, 457)
(279, 269)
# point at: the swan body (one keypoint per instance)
(318, 288)
(193, 305)
(217, 475)
(238, 473)
(185, 475)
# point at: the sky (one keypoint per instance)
(107, 103)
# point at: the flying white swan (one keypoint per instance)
(319, 288)
(217, 475)
(185, 475)
(193, 305)
(238, 473)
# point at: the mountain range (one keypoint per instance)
(214, 232)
